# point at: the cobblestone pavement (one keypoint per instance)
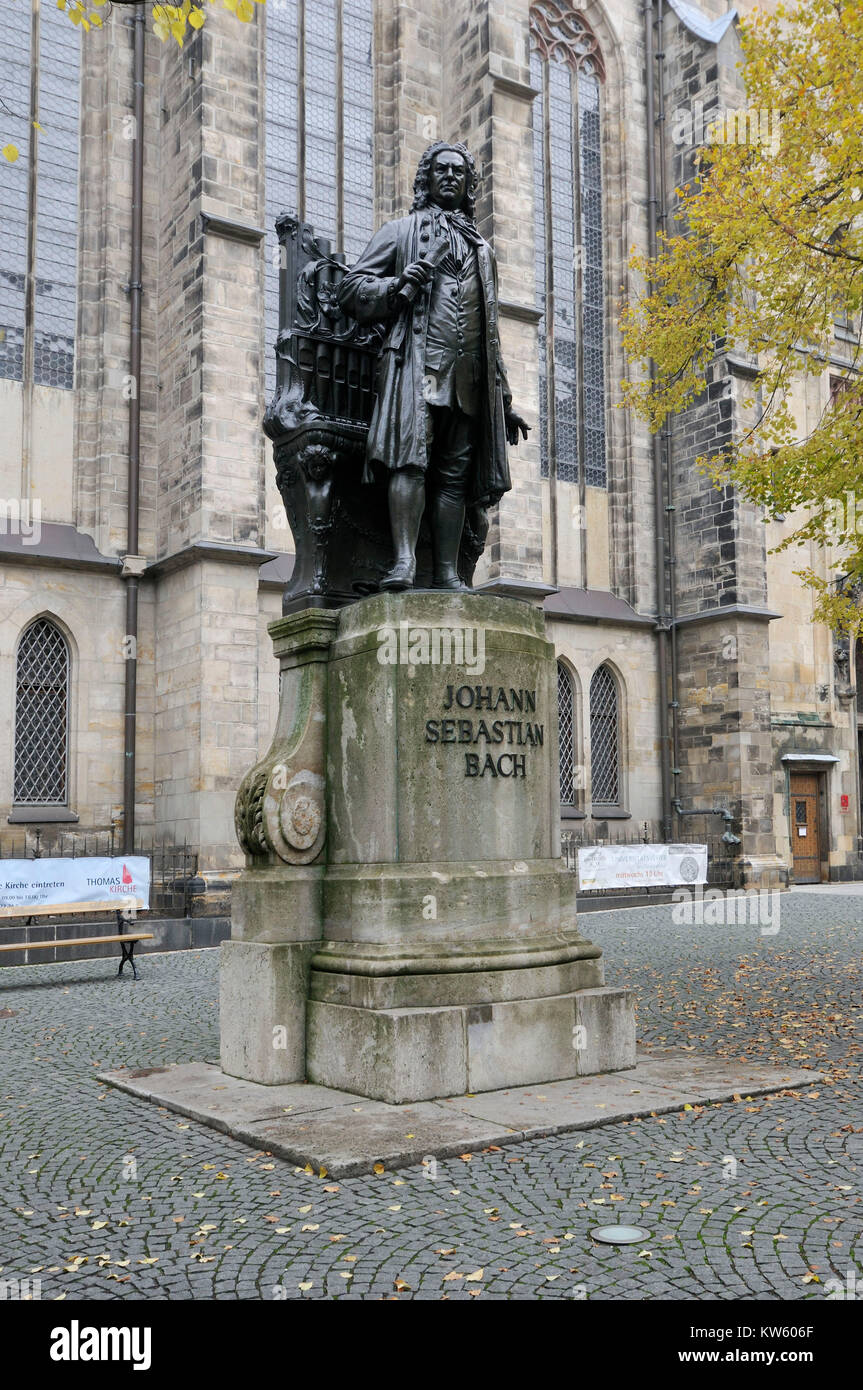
(107, 1197)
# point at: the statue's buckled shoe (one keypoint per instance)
(401, 576)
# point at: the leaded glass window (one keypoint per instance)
(567, 734)
(567, 71)
(592, 288)
(604, 739)
(357, 126)
(321, 123)
(40, 188)
(15, 77)
(319, 129)
(42, 716)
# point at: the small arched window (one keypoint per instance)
(567, 731)
(42, 717)
(604, 739)
(567, 71)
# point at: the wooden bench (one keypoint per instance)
(126, 939)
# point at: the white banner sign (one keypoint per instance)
(32, 886)
(641, 866)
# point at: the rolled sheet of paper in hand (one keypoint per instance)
(439, 248)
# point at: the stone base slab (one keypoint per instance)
(416, 1054)
(348, 1134)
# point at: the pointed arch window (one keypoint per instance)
(604, 739)
(567, 728)
(567, 71)
(42, 717)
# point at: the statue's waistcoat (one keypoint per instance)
(454, 339)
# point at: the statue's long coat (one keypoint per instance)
(398, 435)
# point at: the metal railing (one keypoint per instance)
(721, 857)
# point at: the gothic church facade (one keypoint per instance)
(691, 678)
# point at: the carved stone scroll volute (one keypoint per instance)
(280, 811)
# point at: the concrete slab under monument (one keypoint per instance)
(347, 1134)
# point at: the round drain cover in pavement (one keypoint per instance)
(619, 1235)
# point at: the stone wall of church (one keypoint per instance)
(79, 466)
(631, 653)
(212, 455)
(725, 747)
(101, 438)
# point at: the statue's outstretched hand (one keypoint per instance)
(514, 423)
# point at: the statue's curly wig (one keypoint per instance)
(421, 182)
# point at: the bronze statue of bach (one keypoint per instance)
(443, 415)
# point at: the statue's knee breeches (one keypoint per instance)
(452, 454)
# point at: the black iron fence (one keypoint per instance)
(721, 855)
(173, 867)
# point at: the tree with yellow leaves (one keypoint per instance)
(767, 255)
(169, 21)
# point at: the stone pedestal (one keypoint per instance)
(425, 886)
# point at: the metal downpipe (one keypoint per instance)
(660, 518)
(131, 564)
